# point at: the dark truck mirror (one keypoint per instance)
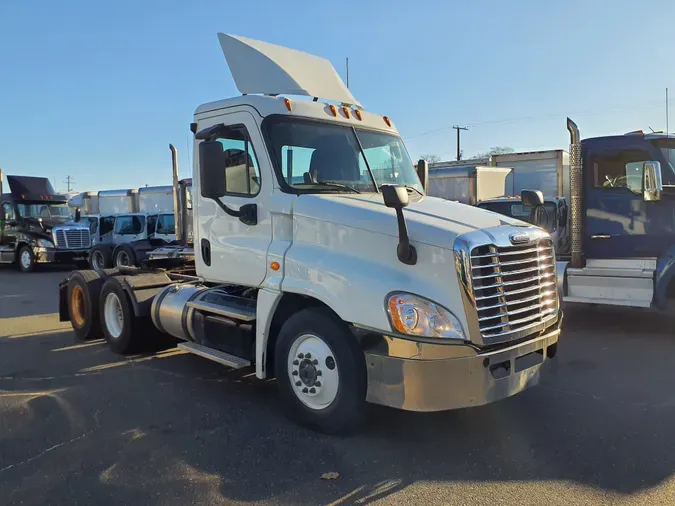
(396, 197)
(423, 173)
(535, 200)
(78, 215)
(212, 169)
(563, 217)
(652, 185)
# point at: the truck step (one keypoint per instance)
(618, 291)
(216, 355)
(234, 307)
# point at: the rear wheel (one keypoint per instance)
(321, 371)
(100, 258)
(121, 327)
(83, 291)
(124, 256)
(26, 259)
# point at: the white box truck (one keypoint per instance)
(321, 262)
(468, 184)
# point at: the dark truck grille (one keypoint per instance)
(77, 238)
(514, 287)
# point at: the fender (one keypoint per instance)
(665, 274)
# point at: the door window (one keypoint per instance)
(242, 175)
(165, 224)
(129, 225)
(8, 212)
(620, 170)
(107, 224)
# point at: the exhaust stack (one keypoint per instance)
(576, 197)
(177, 211)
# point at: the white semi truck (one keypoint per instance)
(321, 262)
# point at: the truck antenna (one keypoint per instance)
(667, 126)
(347, 65)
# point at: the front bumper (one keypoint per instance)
(429, 381)
(54, 255)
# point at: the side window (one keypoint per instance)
(129, 225)
(152, 222)
(8, 211)
(107, 224)
(242, 175)
(620, 170)
(165, 224)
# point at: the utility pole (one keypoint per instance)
(69, 181)
(347, 64)
(459, 151)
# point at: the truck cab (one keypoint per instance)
(36, 226)
(623, 247)
(321, 261)
(555, 215)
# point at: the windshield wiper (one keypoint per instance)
(338, 185)
(408, 187)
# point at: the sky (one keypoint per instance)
(98, 90)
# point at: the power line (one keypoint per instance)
(507, 121)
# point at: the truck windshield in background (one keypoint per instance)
(319, 157)
(44, 210)
(129, 225)
(520, 212)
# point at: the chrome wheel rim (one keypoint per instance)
(313, 372)
(26, 259)
(122, 259)
(114, 317)
(97, 260)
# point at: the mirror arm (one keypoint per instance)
(405, 251)
(248, 213)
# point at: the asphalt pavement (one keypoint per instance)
(81, 425)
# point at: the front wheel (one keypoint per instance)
(321, 371)
(26, 259)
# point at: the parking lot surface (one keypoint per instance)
(81, 425)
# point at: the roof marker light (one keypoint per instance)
(387, 120)
(345, 111)
(289, 106)
(357, 113)
(333, 110)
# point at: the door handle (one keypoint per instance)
(601, 236)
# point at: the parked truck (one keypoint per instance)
(468, 184)
(321, 262)
(36, 226)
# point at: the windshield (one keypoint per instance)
(44, 210)
(667, 148)
(520, 212)
(322, 157)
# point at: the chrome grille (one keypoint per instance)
(72, 238)
(514, 287)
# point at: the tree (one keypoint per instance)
(431, 158)
(495, 150)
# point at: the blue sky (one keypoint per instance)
(97, 90)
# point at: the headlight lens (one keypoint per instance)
(414, 315)
(44, 243)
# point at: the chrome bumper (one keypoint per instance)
(54, 255)
(466, 377)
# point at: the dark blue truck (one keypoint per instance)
(622, 221)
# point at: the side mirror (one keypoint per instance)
(532, 198)
(423, 173)
(212, 169)
(563, 218)
(78, 215)
(396, 197)
(652, 184)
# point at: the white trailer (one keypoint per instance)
(321, 262)
(546, 171)
(468, 184)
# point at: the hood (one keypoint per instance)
(45, 225)
(430, 220)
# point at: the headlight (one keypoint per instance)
(44, 243)
(414, 315)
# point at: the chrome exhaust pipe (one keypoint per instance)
(177, 214)
(576, 197)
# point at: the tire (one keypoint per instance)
(100, 257)
(25, 259)
(337, 404)
(84, 288)
(124, 256)
(121, 328)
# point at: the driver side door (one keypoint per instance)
(8, 225)
(232, 251)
